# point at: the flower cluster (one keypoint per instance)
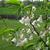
(25, 20)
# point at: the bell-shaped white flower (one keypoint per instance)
(49, 31)
(28, 31)
(38, 24)
(14, 40)
(27, 20)
(43, 34)
(34, 22)
(38, 48)
(22, 42)
(23, 29)
(40, 19)
(34, 8)
(32, 16)
(34, 32)
(47, 42)
(31, 37)
(21, 36)
(49, 28)
(22, 20)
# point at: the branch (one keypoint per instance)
(38, 34)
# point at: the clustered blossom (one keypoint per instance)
(25, 20)
(20, 42)
(22, 37)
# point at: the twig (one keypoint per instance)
(39, 35)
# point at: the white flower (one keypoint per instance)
(34, 32)
(14, 40)
(49, 31)
(40, 19)
(31, 37)
(47, 38)
(28, 31)
(43, 34)
(32, 16)
(22, 42)
(26, 24)
(21, 36)
(33, 23)
(10, 34)
(47, 42)
(38, 25)
(38, 48)
(49, 28)
(34, 8)
(22, 20)
(23, 29)
(27, 20)
(18, 44)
